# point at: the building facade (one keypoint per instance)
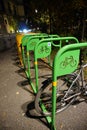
(11, 12)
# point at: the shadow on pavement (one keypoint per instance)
(25, 85)
(29, 110)
(21, 72)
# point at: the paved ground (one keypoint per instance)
(16, 99)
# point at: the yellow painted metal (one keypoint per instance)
(18, 41)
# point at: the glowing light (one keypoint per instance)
(25, 30)
(36, 10)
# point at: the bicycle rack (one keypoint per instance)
(32, 41)
(45, 43)
(19, 37)
(18, 40)
(24, 44)
(25, 41)
(67, 51)
(41, 45)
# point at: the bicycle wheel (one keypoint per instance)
(64, 97)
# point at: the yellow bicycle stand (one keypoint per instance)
(18, 40)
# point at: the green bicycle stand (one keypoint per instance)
(67, 51)
(31, 43)
(44, 46)
(36, 44)
(24, 46)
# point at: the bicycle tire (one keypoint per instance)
(41, 93)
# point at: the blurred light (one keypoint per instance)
(36, 10)
(38, 28)
(20, 31)
(25, 30)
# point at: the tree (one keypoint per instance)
(65, 17)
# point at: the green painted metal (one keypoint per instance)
(47, 117)
(67, 51)
(24, 44)
(28, 43)
(40, 47)
(43, 47)
(67, 63)
(42, 50)
(29, 39)
(33, 87)
(65, 56)
(31, 43)
(35, 39)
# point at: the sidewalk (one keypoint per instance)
(17, 102)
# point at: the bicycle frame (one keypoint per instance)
(81, 74)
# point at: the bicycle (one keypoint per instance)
(71, 87)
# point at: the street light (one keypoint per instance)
(36, 10)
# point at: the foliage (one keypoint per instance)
(12, 23)
(63, 17)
